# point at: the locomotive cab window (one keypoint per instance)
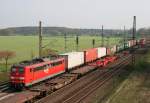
(21, 70)
(56, 63)
(13, 69)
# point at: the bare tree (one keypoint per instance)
(6, 55)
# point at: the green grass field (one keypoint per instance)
(25, 46)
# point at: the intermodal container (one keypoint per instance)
(113, 49)
(108, 51)
(120, 47)
(73, 59)
(90, 55)
(101, 52)
(126, 45)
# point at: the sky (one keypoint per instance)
(75, 13)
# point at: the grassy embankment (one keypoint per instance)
(136, 88)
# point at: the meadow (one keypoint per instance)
(27, 46)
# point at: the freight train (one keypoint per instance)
(28, 73)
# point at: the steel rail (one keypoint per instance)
(102, 82)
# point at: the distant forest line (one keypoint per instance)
(59, 31)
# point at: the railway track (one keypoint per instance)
(73, 95)
(5, 91)
(26, 95)
(4, 86)
(88, 89)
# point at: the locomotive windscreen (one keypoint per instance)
(15, 69)
(21, 70)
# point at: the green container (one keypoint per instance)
(120, 47)
(126, 45)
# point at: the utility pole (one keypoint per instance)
(124, 37)
(77, 43)
(93, 43)
(40, 39)
(133, 38)
(134, 28)
(65, 38)
(102, 36)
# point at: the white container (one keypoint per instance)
(129, 42)
(113, 49)
(101, 52)
(134, 42)
(73, 59)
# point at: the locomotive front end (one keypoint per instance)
(17, 78)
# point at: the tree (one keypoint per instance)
(6, 55)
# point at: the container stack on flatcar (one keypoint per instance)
(142, 42)
(101, 52)
(113, 49)
(132, 43)
(90, 55)
(126, 45)
(120, 47)
(108, 51)
(73, 59)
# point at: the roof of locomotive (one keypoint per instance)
(36, 61)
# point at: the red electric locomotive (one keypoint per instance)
(28, 73)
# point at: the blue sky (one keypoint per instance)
(75, 13)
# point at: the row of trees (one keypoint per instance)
(6, 55)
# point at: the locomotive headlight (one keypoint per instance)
(13, 69)
(21, 78)
(12, 77)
